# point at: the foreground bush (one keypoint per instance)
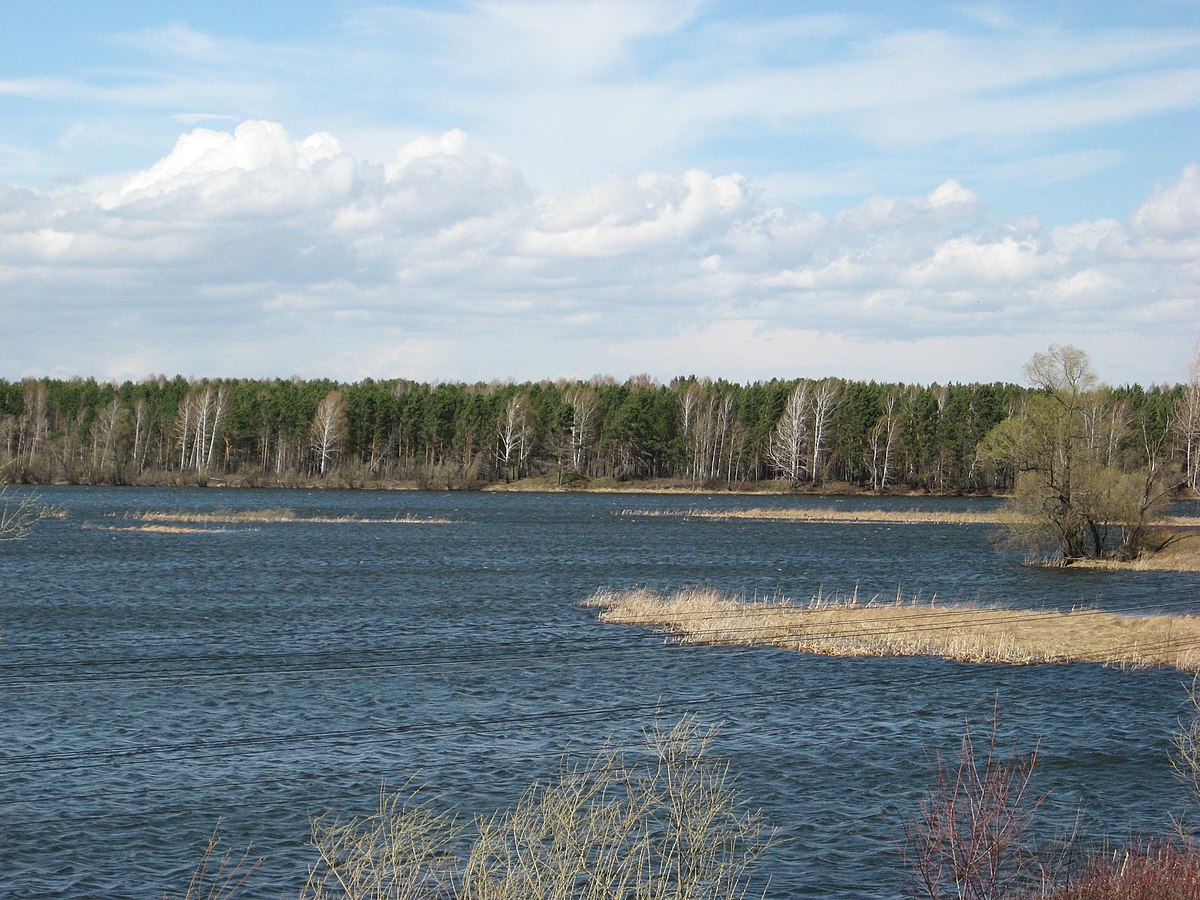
(1163, 872)
(669, 826)
(972, 839)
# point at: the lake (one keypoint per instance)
(153, 685)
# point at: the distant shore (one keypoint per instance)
(565, 483)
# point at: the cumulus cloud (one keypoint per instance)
(623, 217)
(255, 170)
(1173, 211)
(254, 252)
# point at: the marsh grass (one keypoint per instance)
(667, 823)
(274, 515)
(219, 876)
(1141, 872)
(1181, 553)
(161, 529)
(19, 515)
(847, 625)
(830, 516)
(1181, 556)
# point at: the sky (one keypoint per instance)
(477, 191)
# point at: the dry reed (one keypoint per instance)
(160, 529)
(830, 516)
(276, 515)
(845, 625)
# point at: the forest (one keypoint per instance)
(693, 432)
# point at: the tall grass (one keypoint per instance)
(847, 625)
(972, 838)
(19, 516)
(669, 827)
(1145, 871)
(831, 515)
(274, 515)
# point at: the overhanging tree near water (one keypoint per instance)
(1064, 445)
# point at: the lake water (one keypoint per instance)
(153, 685)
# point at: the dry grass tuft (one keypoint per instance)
(1141, 872)
(160, 529)
(669, 825)
(831, 516)
(1181, 556)
(845, 625)
(274, 515)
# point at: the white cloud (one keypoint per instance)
(252, 252)
(630, 217)
(1174, 211)
(215, 164)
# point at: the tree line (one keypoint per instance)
(802, 433)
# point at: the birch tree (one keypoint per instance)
(788, 445)
(515, 436)
(825, 396)
(585, 407)
(883, 441)
(140, 434)
(708, 419)
(1187, 425)
(35, 422)
(328, 429)
(198, 423)
(107, 431)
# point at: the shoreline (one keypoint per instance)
(551, 484)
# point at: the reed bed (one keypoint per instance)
(273, 515)
(1181, 556)
(830, 516)
(846, 625)
(160, 529)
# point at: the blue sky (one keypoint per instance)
(918, 192)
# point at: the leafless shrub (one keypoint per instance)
(402, 852)
(669, 827)
(19, 516)
(972, 838)
(1185, 759)
(1142, 872)
(219, 877)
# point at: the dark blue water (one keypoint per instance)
(153, 685)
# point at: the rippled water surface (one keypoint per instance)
(152, 685)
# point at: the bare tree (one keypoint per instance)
(1187, 425)
(141, 434)
(107, 433)
(825, 397)
(35, 421)
(585, 406)
(707, 429)
(328, 429)
(19, 515)
(515, 436)
(973, 837)
(884, 435)
(198, 423)
(788, 446)
(668, 826)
